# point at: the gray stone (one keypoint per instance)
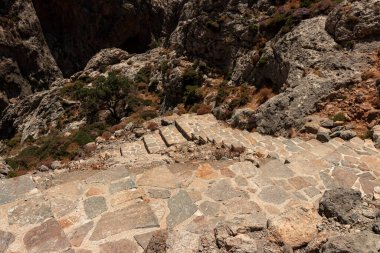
(274, 194)
(241, 181)
(181, 208)
(159, 194)
(311, 191)
(94, 206)
(122, 185)
(31, 211)
(323, 137)
(44, 168)
(363, 242)
(51, 238)
(222, 190)
(209, 208)
(347, 134)
(15, 188)
(138, 215)
(6, 239)
(329, 123)
(342, 204)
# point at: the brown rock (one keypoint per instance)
(206, 171)
(47, 237)
(121, 246)
(138, 215)
(158, 243)
(345, 178)
(227, 172)
(80, 233)
(94, 191)
(295, 228)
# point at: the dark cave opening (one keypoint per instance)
(76, 30)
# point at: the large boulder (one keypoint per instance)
(305, 66)
(354, 20)
(341, 204)
(363, 242)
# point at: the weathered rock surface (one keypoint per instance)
(354, 20)
(35, 114)
(26, 63)
(341, 204)
(300, 63)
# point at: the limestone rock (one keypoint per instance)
(352, 20)
(295, 228)
(298, 64)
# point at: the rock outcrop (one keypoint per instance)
(355, 20)
(305, 65)
(26, 64)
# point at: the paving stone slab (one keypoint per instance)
(121, 246)
(30, 211)
(222, 190)
(275, 168)
(77, 237)
(158, 177)
(51, 238)
(15, 188)
(181, 207)
(138, 215)
(274, 194)
(122, 185)
(94, 206)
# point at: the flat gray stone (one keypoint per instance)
(48, 237)
(181, 207)
(31, 211)
(222, 190)
(94, 206)
(6, 239)
(274, 194)
(311, 191)
(158, 177)
(15, 188)
(275, 168)
(159, 194)
(209, 208)
(122, 185)
(138, 215)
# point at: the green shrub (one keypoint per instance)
(305, 3)
(83, 137)
(253, 29)
(213, 25)
(339, 117)
(191, 77)
(143, 75)
(263, 61)
(192, 95)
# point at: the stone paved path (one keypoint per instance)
(119, 208)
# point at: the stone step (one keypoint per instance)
(190, 125)
(171, 135)
(154, 143)
(133, 149)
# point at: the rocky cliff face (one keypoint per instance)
(26, 64)
(259, 43)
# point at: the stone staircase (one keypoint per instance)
(118, 209)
